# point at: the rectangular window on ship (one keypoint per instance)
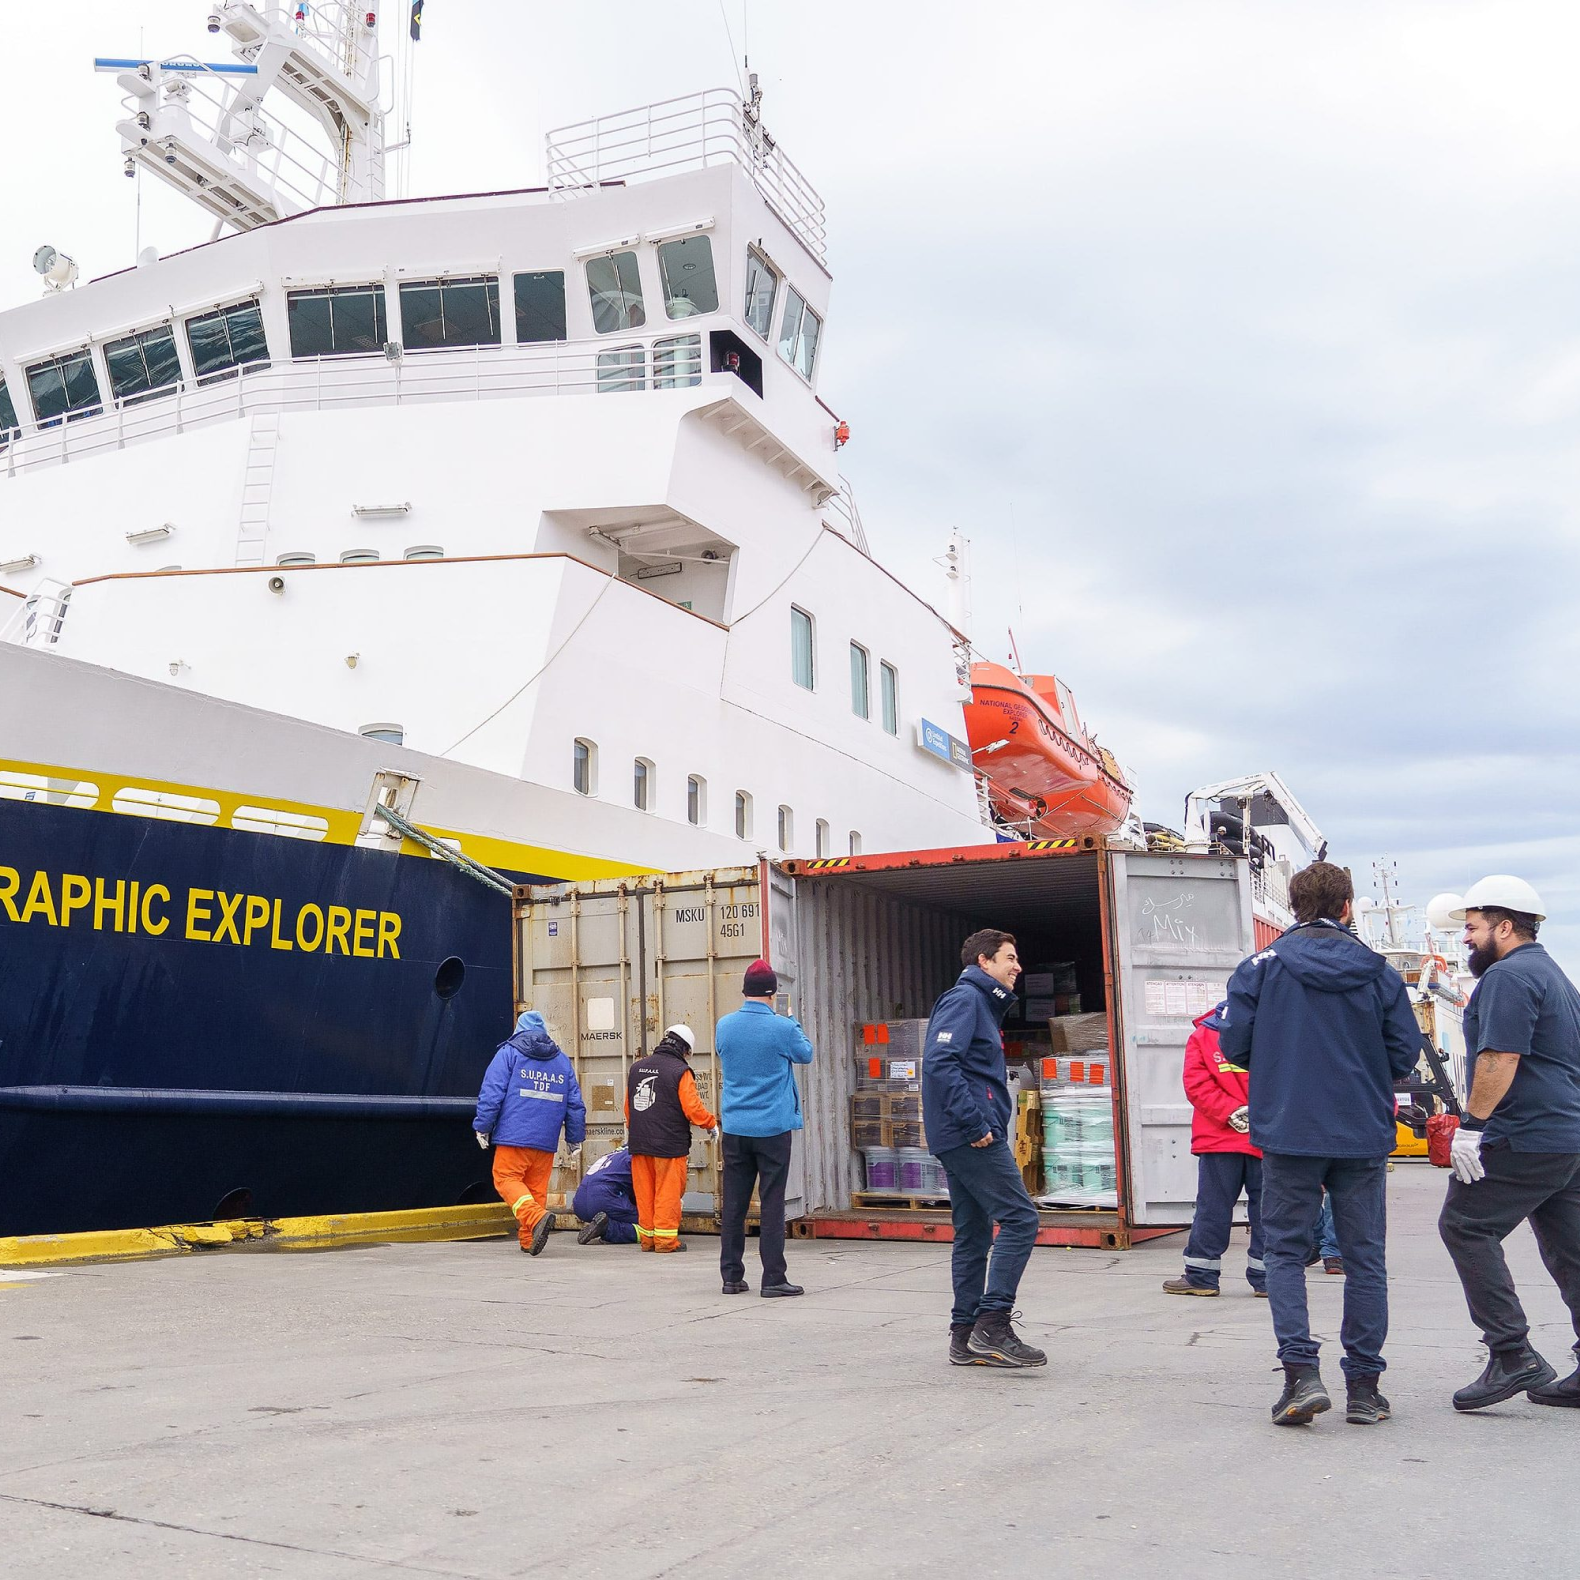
(449, 312)
(798, 334)
(761, 285)
(143, 365)
(227, 339)
(540, 306)
(686, 268)
(614, 286)
(338, 321)
(64, 387)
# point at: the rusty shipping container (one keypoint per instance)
(1153, 939)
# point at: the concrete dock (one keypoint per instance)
(462, 1410)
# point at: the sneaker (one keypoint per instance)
(960, 1344)
(993, 1343)
(1303, 1397)
(1183, 1286)
(1363, 1404)
(593, 1229)
(1333, 1264)
(541, 1231)
(780, 1291)
(1508, 1373)
(1565, 1393)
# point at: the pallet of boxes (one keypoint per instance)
(1075, 1095)
(886, 1119)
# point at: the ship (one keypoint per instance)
(381, 553)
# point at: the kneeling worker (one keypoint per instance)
(606, 1201)
(529, 1096)
(661, 1106)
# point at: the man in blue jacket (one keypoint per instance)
(760, 1111)
(1325, 1027)
(606, 1201)
(967, 1112)
(529, 1096)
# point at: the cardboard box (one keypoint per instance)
(1079, 1033)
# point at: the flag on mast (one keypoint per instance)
(416, 21)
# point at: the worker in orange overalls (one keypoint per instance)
(529, 1095)
(661, 1106)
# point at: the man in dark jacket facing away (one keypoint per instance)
(1325, 1027)
(967, 1112)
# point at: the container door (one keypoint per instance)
(1180, 925)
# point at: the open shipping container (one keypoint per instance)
(866, 939)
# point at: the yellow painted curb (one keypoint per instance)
(310, 1233)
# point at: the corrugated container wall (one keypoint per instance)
(863, 956)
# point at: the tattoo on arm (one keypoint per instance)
(1494, 1076)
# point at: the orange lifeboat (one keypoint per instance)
(1045, 774)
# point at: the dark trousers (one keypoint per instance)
(763, 1161)
(1220, 1177)
(1543, 1187)
(1291, 1204)
(985, 1188)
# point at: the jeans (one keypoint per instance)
(1326, 1242)
(1220, 1177)
(763, 1161)
(985, 1188)
(1291, 1204)
(1543, 1187)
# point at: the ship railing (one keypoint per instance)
(658, 361)
(846, 517)
(687, 133)
(37, 620)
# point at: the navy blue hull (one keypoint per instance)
(134, 1022)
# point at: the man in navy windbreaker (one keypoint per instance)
(606, 1201)
(967, 1112)
(1325, 1027)
(530, 1094)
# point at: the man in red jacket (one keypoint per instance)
(1226, 1162)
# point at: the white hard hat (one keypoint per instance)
(1509, 894)
(684, 1033)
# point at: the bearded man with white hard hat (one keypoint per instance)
(1516, 1154)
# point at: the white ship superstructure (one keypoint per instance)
(537, 482)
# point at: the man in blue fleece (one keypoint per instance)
(1325, 1027)
(967, 1112)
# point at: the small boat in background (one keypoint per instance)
(1046, 777)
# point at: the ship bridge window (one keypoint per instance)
(296, 559)
(227, 339)
(798, 334)
(390, 734)
(761, 286)
(686, 268)
(584, 767)
(450, 312)
(425, 551)
(143, 365)
(64, 387)
(625, 369)
(860, 691)
(803, 669)
(540, 306)
(889, 697)
(677, 363)
(615, 288)
(8, 422)
(360, 557)
(338, 321)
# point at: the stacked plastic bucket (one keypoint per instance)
(1078, 1133)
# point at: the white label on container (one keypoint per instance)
(1181, 999)
(902, 1069)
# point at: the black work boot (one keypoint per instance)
(1303, 1397)
(959, 1344)
(1364, 1405)
(993, 1343)
(1565, 1393)
(593, 1229)
(1508, 1372)
(541, 1231)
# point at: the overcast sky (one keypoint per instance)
(1243, 340)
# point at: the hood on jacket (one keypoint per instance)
(999, 997)
(1328, 958)
(1215, 1019)
(531, 1037)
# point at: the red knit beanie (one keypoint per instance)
(760, 981)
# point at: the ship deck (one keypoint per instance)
(459, 1410)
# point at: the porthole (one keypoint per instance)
(448, 978)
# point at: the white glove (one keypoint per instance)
(714, 1134)
(1464, 1156)
(482, 1138)
(1240, 1120)
(572, 1154)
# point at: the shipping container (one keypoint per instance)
(1151, 940)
